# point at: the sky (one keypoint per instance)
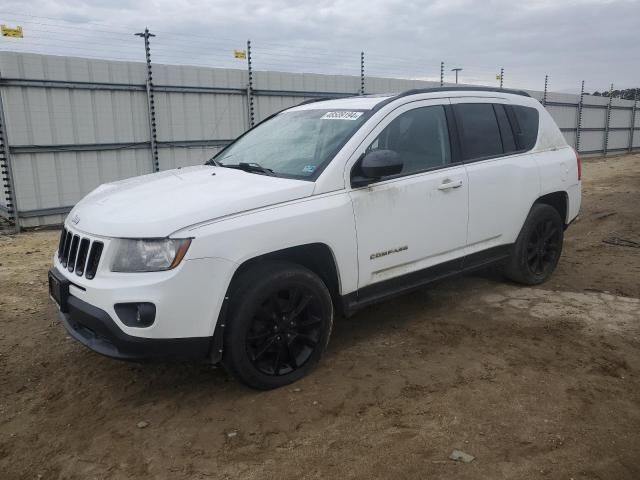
(569, 40)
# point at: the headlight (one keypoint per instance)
(149, 255)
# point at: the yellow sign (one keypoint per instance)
(498, 77)
(241, 54)
(11, 32)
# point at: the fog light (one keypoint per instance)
(138, 315)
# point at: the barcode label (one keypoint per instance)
(341, 115)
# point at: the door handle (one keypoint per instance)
(448, 185)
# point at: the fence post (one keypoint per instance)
(633, 119)
(544, 96)
(151, 107)
(605, 145)
(441, 74)
(8, 183)
(579, 114)
(250, 107)
(361, 73)
(501, 76)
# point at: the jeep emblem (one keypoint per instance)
(76, 219)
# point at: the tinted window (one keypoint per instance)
(508, 142)
(420, 137)
(479, 131)
(526, 126)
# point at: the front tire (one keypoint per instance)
(279, 322)
(538, 247)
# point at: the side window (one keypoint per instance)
(479, 131)
(525, 122)
(420, 137)
(508, 141)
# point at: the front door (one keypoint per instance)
(416, 219)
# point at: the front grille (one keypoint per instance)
(94, 259)
(81, 259)
(63, 237)
(65, 249)
(73, 251)
(79, 254)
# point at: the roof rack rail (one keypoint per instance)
(314, 100)
(416, 91)
(464, 89)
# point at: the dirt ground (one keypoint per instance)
(534, 382)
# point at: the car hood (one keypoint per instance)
(158, 204)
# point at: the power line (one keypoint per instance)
(210, 51)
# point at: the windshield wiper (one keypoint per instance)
(250, 167)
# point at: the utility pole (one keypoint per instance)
(457, 69)
(151, 108)
(633, 118)
(579, 113)
(6, 172)
(252, 113)
(361, 73)
(605, 145)
(441, 74)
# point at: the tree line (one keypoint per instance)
(626, 94)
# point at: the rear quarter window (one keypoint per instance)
(525, 121)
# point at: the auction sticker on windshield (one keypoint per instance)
(341, 115)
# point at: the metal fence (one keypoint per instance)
(68, 124)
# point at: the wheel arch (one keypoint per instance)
(317, 257)
(559, 201)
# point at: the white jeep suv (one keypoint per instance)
(322, 208)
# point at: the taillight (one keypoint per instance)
(579, 166)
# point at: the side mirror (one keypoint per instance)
(375, 165)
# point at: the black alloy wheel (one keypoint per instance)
(543, 248)
(285, 331)
(537, 250)
(278, 324)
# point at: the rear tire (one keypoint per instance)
(279, 321)
(538, 248)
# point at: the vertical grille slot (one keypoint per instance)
(63, 237)
(73, 251)
(94, 259)
(83, 250)
(65, 249)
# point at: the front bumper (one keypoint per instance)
(187, 298)
(94, 328)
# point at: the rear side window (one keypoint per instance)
(508, 140)
(479, 130)
(525, 121)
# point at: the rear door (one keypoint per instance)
(503, 179)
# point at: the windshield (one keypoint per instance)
(294, 143)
